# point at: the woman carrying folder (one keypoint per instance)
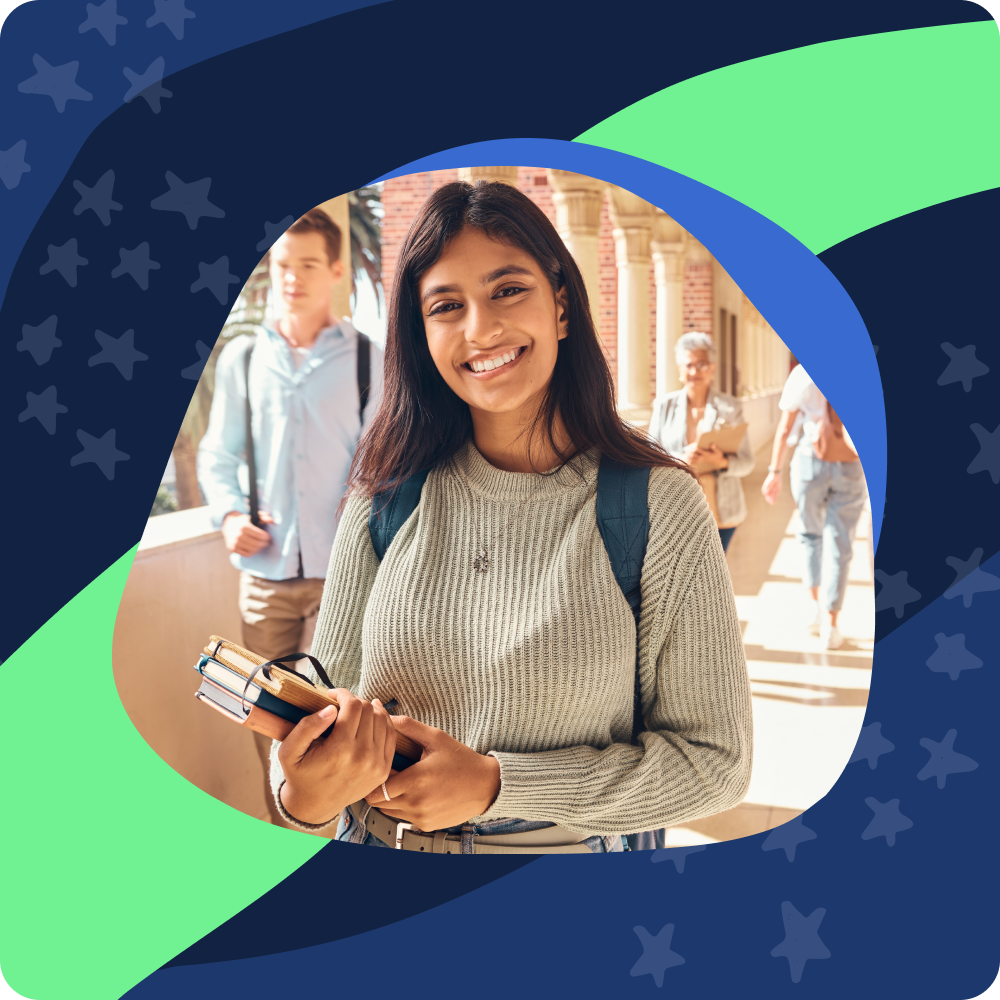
(682, 417)
(494, 619)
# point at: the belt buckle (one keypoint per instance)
(400, 827)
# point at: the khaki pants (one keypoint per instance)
(279, 617)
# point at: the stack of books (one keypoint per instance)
(271, 703)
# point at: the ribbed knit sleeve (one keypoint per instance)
(337, 641)
(696, 754)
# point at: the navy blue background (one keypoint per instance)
(907, 920)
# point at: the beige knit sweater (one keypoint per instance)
(533, 661)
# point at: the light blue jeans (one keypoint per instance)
(348, 830)
(830, 497)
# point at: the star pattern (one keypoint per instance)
(44, 408)
(802, 940)
(944, 760)
(969, 578)
(194, 371)
(57, 82)
(173, 14)
(787, 837)
(677, 854)
(105, 18)
(272, 230)
(963, 367)
(98, 198)
(101, 451)
(988, 459)
(40, 341)
(895, 593)
(871, 745)
(951, 657)
(65, 260)
(147, 85)
(887, 821)
(137, 263)
(656, 954)
(191, 200)
(216, 278)
(12, 164)
(121, 352)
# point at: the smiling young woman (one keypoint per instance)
(494, 620)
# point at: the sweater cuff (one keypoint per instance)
(531, 783)
(289, 818)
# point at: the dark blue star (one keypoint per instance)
(101, 451)
(43, 408)
(40, 341)
(988, 459)
(787, 837)
(871, 745)
(65, 260)
(191, 200)
(887, 822)
(969, 578)
(98, 198)
(137, 263)
(944, 760)
(895, 593)
(147, 85)
(272, 230)
(121, 353)
(963, 367)
(12, 164)
(951, 657)
(194, 371)
(676, 854)
(105, 18)
(173, 14)
(58, 82)
(656, 954)
(802, 940)
(216, 278)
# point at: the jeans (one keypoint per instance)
(830, 497)
(347, 831)
(726, 536)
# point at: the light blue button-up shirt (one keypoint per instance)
(305, 431)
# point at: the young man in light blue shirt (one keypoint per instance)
(305, 402)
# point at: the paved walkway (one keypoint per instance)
(808, 704)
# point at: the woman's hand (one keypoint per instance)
(322, 777)
(448, 785)
(772, 487)
(715, 457)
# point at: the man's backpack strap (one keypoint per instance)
(252, 500)
(390, 510)
(364, 374)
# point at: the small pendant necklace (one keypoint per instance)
(481, 562)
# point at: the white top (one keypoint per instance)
(800, 393)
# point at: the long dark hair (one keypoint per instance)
(421, 421)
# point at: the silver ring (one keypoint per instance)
(385, 792)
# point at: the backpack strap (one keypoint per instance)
(623, 520)
(364, 374)
(390, 510)
(253, 500)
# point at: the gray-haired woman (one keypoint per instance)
(681, 417)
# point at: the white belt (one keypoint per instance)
(402, 836)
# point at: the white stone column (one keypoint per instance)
(472, 174)
(667, 245)
(578, 201)
(632, 219)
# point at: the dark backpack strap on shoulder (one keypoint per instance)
(364, 374)
(252, 500)
(391, 509)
